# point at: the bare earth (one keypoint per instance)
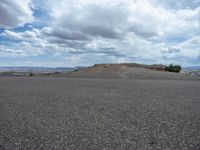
(125, 71)
(99, 114)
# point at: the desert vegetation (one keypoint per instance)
(30, 74)
(173, 68)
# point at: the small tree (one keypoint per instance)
(173, 68)
(30, 74)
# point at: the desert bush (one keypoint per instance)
(173, 68)
(30, 74)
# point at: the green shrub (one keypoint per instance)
(173, 68)
(30, 74)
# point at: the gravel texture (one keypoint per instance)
(41, 113)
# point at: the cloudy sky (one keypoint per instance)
(85, 32)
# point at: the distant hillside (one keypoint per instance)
(126, 71)
(25, 71)
(193, 70)
(37, 69)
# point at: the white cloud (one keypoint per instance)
(118, 30)
(24, 36)
(5, 52)
(191, 47)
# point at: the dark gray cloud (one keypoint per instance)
(172, 53)
(67, 34)
(143, 31)
(107, 51)
(101, 31)
(173, 50)
(94, 21)
(15, 13)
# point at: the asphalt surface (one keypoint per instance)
(43, 113)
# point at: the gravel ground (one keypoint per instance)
(41, 113)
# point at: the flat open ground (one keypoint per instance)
(99, 114)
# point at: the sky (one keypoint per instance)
(67, 33)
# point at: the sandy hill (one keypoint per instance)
(126, 71)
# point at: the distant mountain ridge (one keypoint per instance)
(192, 68)
(38, 69)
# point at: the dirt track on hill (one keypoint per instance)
(100, 114)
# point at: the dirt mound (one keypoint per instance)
(125, 71)
(159, 67)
